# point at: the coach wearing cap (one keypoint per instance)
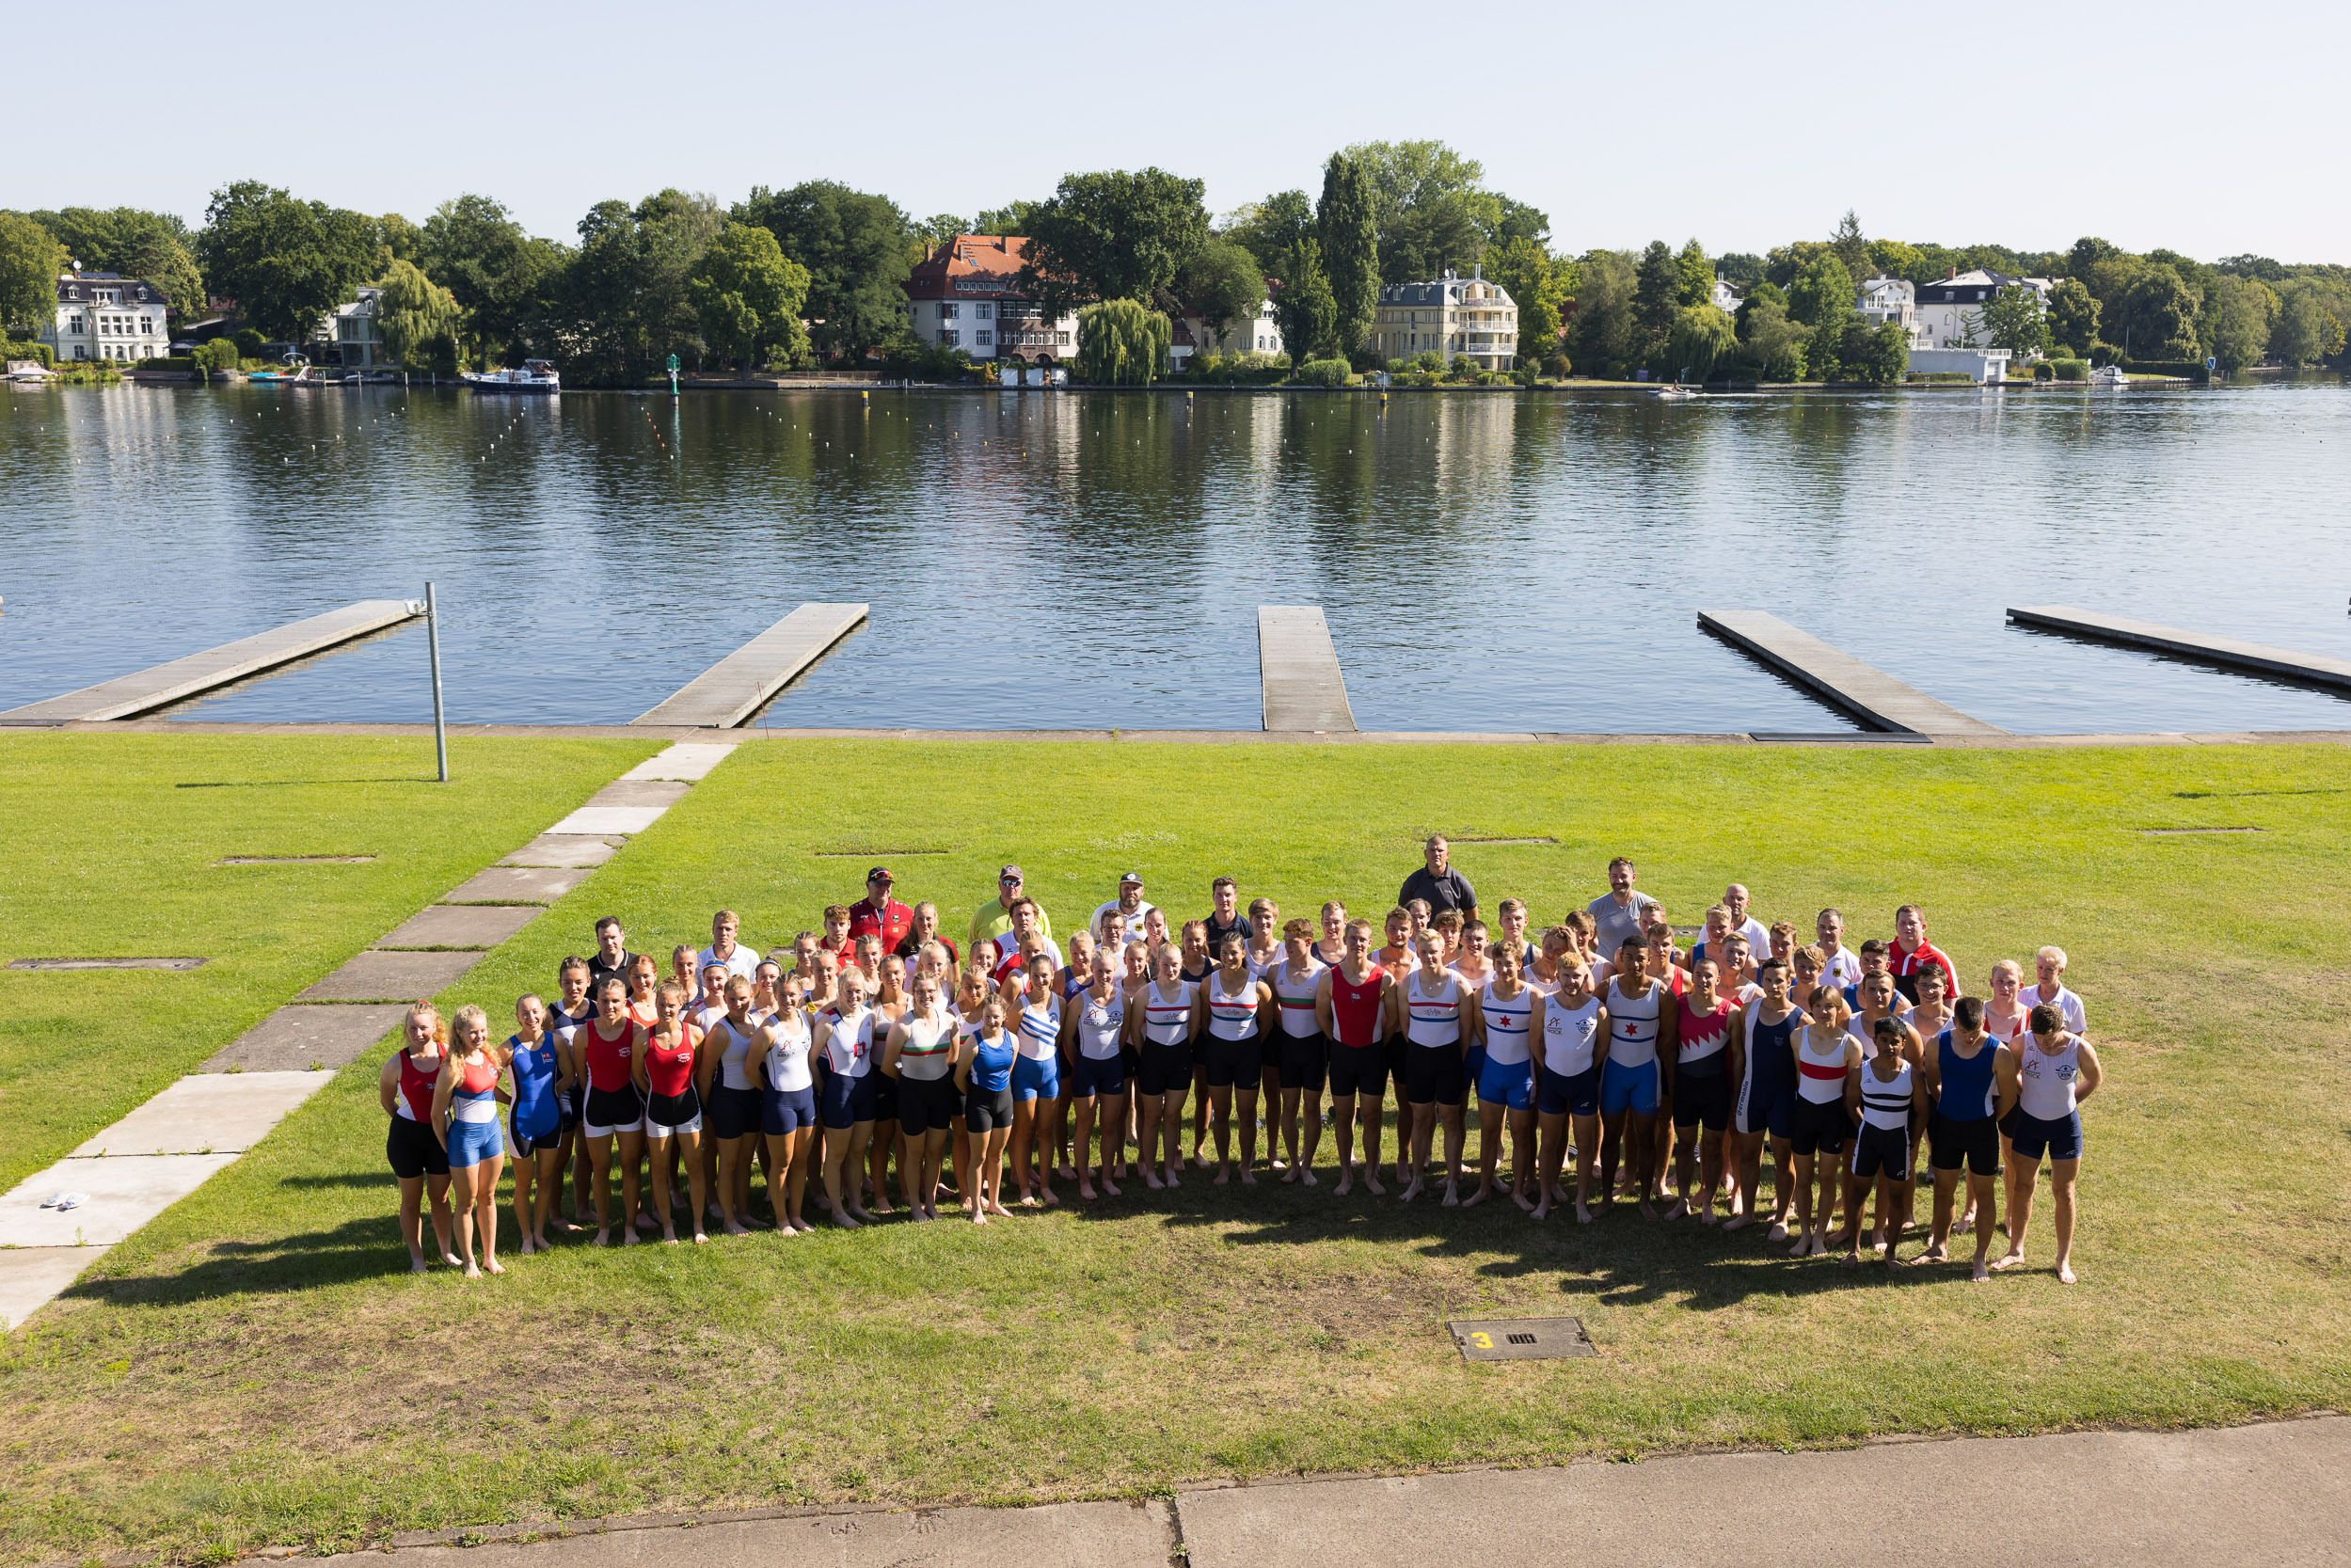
(878, 915)
(991, 921)
(1440, 883)
(1129, 904)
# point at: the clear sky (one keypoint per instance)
(2150, 124)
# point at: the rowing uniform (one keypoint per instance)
(1628, 1078)
(537, 1120)
(1433, 1064)
(1235, 1053)
(788, 1094)
(1569, 1084)
(1303, 1056)
(1507, 1077)
(474, 1130)
(1881, 1143)
(926, 1085)
(1959, 1124)
(733, 1107)
(1767, 1083)
(409, 1144)
(2045, 1114)
(1822, 1123)
(1702, 1082)
(612, 1104)
(1167, 1056)
(1097, 1069)
(1357, 1065)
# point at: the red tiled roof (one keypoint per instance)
(970, 266)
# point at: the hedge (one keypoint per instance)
(42, 351)
(2192, 369)
(1324, 372)
(2069, 369)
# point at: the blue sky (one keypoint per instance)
(1745, 126)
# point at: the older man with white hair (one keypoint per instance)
(2049, 963)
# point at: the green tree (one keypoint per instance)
(2014, 320)
(153, 247)
(939, 228)
(418, 319)
(1850, 247)
(2073, 316)
(1540, 285)
(1515, 220)
(748, 296)
(495, 270)
(1742, 269)
(1010, 218)
(1121, 343)
(1895, 258)
(2243, 310)
(623, 302)
(1221, 284)
(286, 263)
(1303, 306)
(1822, 292)
(1118, 234)
(1656, 297)
(1431, 207)
(398, 240)
(2307, 330)
(1877, 355)
(2158, 316)
(1347, 230)
(1697, 274)
(1770, 345)
(855, 246)
(30, 260)
(1602, 336)
(1268, 229)
(1703, 337)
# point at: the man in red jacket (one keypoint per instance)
(879, 915)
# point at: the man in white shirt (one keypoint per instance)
(725, 951)
(2050, 988)
(1759, 935)
(1129, 904)
(1843, 964)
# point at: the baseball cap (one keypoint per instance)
(880, 874)
(1012, 872)
(1134, 876)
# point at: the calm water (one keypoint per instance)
(1050, 561)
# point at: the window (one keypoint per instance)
(949, 337)
(949, 309)
(982, 312)
(983, 337)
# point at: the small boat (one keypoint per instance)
(537, 376)
(2109, 376)
(1673, 394)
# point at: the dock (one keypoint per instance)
(127, 696)
(2188, 645)
(740, 684)
(1864, 690)
(1302, 687)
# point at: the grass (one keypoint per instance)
(256, 1366)
(109, 852)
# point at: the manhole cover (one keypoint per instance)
(1521, 1338)
(103, 963)
(294, 860)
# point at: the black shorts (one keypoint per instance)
(1305, 1061)
(1707, 1099)
(1235, 1062)
(925, 1105)
(884, 1097)
(733, 1112)
(1432, 1075)
(1975, 1142)
(1164, 1069)
(414, 1151)
(986, 1110)
(1821, 1127)
(673, 1112)
(1881, 1151)
(1358, 1070)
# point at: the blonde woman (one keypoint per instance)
(664, 1073)
(465, 1116)
(845, 1040)
(407, 1087)
(890, 1002)
(919, 1057)
(983, 1072)
(787, 1101)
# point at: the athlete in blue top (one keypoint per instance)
(542, 1077)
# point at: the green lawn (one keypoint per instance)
(110, 850)
(258, 1367)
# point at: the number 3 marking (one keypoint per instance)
(1483, 1341)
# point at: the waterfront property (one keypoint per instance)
(1889, 301)
(1950, 314)
(1455, 318)
(965, 295)
(104, 315)
(349, 332)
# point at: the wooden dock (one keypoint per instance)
(1864, 690)
(2188, 645)
(739, 685)
(1303, 689)
(127, 696)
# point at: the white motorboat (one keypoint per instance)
(2109, 376)
(1673, 394)
(537, 376)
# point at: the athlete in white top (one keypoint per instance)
(1161, 1030)
(732, 1036)
(1428, 1010)
(1503, 1018)
(845, 1033)
(921, 1051)
(1302, 1055)
(1889, 1096)
(781, 1049)
(1826, 1056)
(1093, 1029)
(1237, 1049)
(2052, 1071)
(1568, 1026)
(1036, 1080)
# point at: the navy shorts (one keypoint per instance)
(1358, 1070)
(2030, 1136)
(1821, 1126)
(733, 1112)
(848, 1101)
(1231, 1062)
(925, 1105)
(1088, 1077)
(885, 1096)
(1767, 1108)
(1303, 1061)
(1559, 1093)
(1882, 1151)
(786, 1111)
(1164, 1069)
(1974, 1142)
(1432, 1075)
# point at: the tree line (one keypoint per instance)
(787, 278)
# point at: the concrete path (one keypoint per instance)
(739, 685)
(167, 1148)
(2188, 644)
(2270, 1495)
(1865, 691)
(182, 678)
(1300, 683)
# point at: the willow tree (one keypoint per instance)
(1121, 343)
(418, 319)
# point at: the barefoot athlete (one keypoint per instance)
(1351, 1005)
(542, 1068)
(1163, 1029)
(1238, 1004)
(1887, 1098)
(614, 1117)
(1966, 1069)
(725, 1081)
(1093, 1029)
(1826, 1056)
(1427, 1011)
(2054, 1070)
(1642, 1017)
(1302, 1052)
(844, 1049)
(787, 1101)
(1570, 1029)
(920, 1055)
(1507, 1011)
(1702, 1087)
(464, 1119)
(1765, 1030)
(664, 1076)
(984, 1074)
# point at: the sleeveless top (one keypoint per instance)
(1821, 1074)
(608, 1060)
(1968, 1090)
(475, 1097)
(415, 1102)
(2046, 1090)
(1433, 1020)
(1885, 1101)
(786, 1060)
(1100, 1024)
(1039, 1032)
(849, 1044)
(670, 1069)
(1355, 1005)
(991, 1065)
(930, 1047)
(1232, 1018)
(1506, 1025)
(1771, 1054)
(1570, 1036)
(1294, 999)
(535, 1081)
(1633, 1022)
(734, 1054)
(1702, 1039)
(1165, 1022)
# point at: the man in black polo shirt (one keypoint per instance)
(611, 956)
(1225, 918)
(1440, 883)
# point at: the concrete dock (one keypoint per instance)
(2188, 645)
(127, 696)
(1303, 689)
(738, 685)
(1860, 690)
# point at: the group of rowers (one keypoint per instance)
(1660, 1071)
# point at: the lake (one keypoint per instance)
(1514, 561)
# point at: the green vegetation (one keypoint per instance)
(111, 853)
(285, 262)
(418, 319)
(30, 257)
(258, 1367)
(749, 295)
(1121, 343)
(1116, 235)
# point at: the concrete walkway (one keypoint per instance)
(2274, 1494)
(124, 1177)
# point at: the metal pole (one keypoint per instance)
(433, 640)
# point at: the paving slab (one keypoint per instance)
(377, 976)
(294, 1038)
(32, 1277)
(640, 792)
(528, 884)
(1059, 1535)
(123, 1195)
(182, 678)
(477, 925)
(739, 685)
(1836, 676)
(1300, 685)
(688, 759)
(2268, 1495)
(581, 851)
(2229, 651)
(619, 820)
(209, 1113)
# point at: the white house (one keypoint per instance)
(1950, 314)
(1726, 296)
(1255, 334)
(964, 295)
(103, 315)
(1886, 300)
(1450, 316)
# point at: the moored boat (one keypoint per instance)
(537, 376)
